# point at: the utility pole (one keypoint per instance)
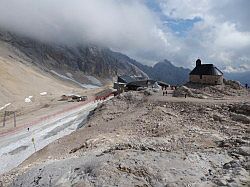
(7, 113)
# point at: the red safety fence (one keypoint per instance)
(56, 114)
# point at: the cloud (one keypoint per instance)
(124, 25)
(216, 31)
(222, 36)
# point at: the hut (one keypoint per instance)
(206, 74)
(125, 79)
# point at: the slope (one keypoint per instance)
(85, 63)
(19, 79)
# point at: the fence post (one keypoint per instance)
(14, 119)
(4, 118)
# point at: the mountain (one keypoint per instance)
(86, 64)
(29, 67)
(243, 77)
(165, 71)
(20, 79)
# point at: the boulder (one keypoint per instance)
(233, 84)
(182, 91)
(244, 150)
(240, 117)
(243, 108)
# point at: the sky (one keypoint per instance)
(149, 31)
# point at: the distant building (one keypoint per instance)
(125, 79)
(126, 82)
(206, 74)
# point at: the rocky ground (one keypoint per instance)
(148, 140)
(229, 88)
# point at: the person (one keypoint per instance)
(246, 85)
(163, 93)
(185, 95)
(166, 93)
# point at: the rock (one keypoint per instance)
(182, 91)
(221, 182)
(241, 108)
(209, 109)
(245, 151)
(218, 117)
(246, 165)
(233, 84)
(202, 96)
(156, 90)
(227, 166)
(240, 117)
(235, 164)
(148, 92)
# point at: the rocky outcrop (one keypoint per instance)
(240, 117)
(203, 91)
(233, 84)
(182, 91)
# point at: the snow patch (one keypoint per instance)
(5, 106)
(89, 86)
(43, 93)
(27, 100)
(94, 80)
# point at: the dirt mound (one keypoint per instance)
(229, 88)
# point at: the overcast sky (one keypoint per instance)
(217, 31)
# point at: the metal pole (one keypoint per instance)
(14, 119)
(4, 118)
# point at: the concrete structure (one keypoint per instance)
(126, 82)
(206, 74)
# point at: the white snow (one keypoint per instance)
(5, 106)
(94, 80)
(43, 93)
(27, 100)
(43, 134)
(89, 86)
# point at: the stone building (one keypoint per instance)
(206, 74)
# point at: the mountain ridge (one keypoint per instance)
(81, 61)
(166, 71)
